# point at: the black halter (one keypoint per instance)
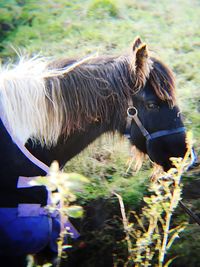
(133, 115)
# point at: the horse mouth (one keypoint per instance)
(161, 150)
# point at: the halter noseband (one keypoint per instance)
(133, 115)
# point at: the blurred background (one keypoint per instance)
(171, 29)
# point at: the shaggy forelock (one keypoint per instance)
(162, 80)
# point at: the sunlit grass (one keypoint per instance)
(106, 163)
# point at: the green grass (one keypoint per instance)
(103, 8)
(106, 164)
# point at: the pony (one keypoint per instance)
(52, 110)
(94, 98)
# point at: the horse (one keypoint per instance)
(52, 110)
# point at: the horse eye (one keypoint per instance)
(152, 105)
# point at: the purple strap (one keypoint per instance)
(72, 229)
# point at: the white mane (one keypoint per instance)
(25, 102)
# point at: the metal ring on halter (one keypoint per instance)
(129, 113)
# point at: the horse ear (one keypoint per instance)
(141, 57)
(141, 65)
(137, 42)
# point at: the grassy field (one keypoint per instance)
(62, 28)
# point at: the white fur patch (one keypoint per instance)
(22, 97)
(25, 100)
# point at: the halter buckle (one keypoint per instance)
(132, 112)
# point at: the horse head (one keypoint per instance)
(156, 128)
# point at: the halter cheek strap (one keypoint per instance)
(133, 115)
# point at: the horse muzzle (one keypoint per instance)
(163, 148)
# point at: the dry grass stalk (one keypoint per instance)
(149, 239)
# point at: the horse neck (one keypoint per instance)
(103, 110)
(66, 149)
(89, 93)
